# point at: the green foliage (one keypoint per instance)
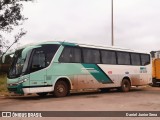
(11, 14)
(3, 85)
(10, 17)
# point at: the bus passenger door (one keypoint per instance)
(37, 81)
(37, 71)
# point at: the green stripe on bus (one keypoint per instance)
(97, 73)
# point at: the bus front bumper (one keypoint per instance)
(15, 89)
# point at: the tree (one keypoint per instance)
(10, 17)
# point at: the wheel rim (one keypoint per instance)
(60, 88)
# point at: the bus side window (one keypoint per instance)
(66, 55)
(145, 59)
(123, 58)
(70, 55)
(91, 55)
(135, 58)
(76, 55)
(108, 57)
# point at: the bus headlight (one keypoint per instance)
(21, 81)
(17, 83)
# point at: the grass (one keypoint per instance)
(3, 85)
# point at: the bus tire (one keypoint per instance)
(43, 94)
(61, 89)
(125, 85)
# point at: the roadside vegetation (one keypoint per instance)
(3, 85)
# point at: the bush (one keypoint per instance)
(3, 85)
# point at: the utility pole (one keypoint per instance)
(112, 24)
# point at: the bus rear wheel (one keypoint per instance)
(61, 89)
(125, 85)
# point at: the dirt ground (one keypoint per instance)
(138, 99)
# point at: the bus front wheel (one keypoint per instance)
(61, 89)
(125, 85)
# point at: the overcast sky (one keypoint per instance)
(136, 22)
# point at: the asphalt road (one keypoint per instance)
(138, 99)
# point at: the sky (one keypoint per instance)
(136, 22)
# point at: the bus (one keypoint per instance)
(59, 68)
(155, 68)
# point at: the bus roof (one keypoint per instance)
(81, 45)
(101, 47)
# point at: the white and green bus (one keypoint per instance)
(62, 67)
